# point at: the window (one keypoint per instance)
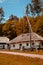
(32, 43)
(20, 44)
(42, 44)
(13, 45)
(27, 44)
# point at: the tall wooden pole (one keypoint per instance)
(30, 31)
(30, 28)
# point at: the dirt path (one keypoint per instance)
(23, 54)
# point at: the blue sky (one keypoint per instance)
(15, 7)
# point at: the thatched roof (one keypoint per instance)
(26, 38)
(4, 39)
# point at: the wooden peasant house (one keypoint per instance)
(3, 42)
(23, 41)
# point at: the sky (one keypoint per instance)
(15, 7)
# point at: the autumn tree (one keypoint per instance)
(9, 28)
(1, 26)
(39, 25)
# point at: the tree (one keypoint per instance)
(27, 10)
(1, 26)
(36, 7)
(9, 29)
(12, 17)
(1, 15)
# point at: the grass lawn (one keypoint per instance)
(27, 51)
(6, 59)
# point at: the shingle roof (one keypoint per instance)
(4, 39)
(26, 37)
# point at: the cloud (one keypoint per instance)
(1, 1)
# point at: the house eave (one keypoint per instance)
(24, 42)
